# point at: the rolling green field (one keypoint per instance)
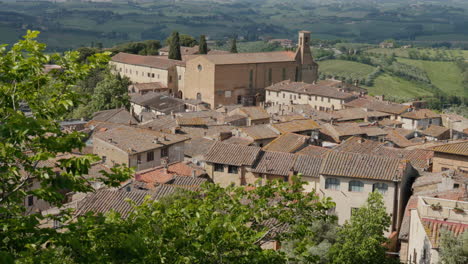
(397, 88)
(349, 69)
(445, 75)
(404, 53)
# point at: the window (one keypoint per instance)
(332, 184)
(30, 200)
(270, 75)
(158, 76)
(456, 185)
(233, 169)
(310, 98)
(219, 167)
(199, 67)
(150, 156)
(103, 158)
(321, 98)
(295, 97)
(138, 159)
(290, 97)
(130, 71)
(380, 187)
(329, 99)
(296, 77)
(170, 79)
(284, 74)
(251, 79)
(269, 92)
(180, 77)
(299, 96)
(444, 169)
(152, 75)
(356, 186)
(149, 74)
(284, 95)
(164, 152)
(227, 94)
(316, 98)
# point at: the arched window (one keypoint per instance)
(332, 184)
(356, 186)
(380, 187)
(199, 97)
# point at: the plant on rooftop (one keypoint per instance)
(436, 207)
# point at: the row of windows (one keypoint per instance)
(231, 169)
(150, 75)
(355, 186)
(299, 96)
(150, 155)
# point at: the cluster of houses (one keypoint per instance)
(244, 119)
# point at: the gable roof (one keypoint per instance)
(288, 142)
(197, 147)
(246, 58)
(460, 148)
(308, 165)
(314, 151)
(259, 132)
(382, 106)
(420, 114)
(148, 61)
(135, 140)
(118, 116)
(435, 131)
(296, 126)
(254, 112)
(309, 89)
(161, 102)
(232, 154)
(346, 164)
(276, 163)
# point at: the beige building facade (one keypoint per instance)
(453, 156)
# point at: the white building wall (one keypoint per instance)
(141, 74)
(413, 124)
(318, 102)
(419, 246)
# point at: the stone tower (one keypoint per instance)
(309, 68)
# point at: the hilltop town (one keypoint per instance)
(247, 119)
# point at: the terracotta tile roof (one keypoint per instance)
(435, 131)
(288, 142)
(290, 117)
(310, 89)
(148, 61)
(358, 113)
(390, 123)
(255, 112)
(314, 151)
(296, 126)
(259, 132)
(164, 123)
(359, 145)
(376, 105)
(149, 86)
(193, 50)
(397, 139)
(238, 140)
(275, 163)
(134, 140)
(160, 175)
(460, 148)
(197, 147)
(192, 183)
(161, 102)
(245, 58)
(308, 165)
(103, 201)
(420, 114)
(356, 165)
(190, 121)
(232, 154)
(210, 131)
(118, 116)
(434, 227)
(341, 131)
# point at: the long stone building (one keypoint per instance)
(222, 79)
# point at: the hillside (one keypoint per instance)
(342, 68)
(81, 23)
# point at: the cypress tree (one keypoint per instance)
(234, 46)
(174, 49)
(203, 47)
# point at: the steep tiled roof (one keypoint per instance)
(255, 112)
(355, 165)
(308, 165)
(164, 123)
(358, 113)
(232, 154)
(238, 140)
(382, 106)
(118, 116)
(397, 139)
(161, 102)
(133, 140)
(420, 114)
(309, 89)
(276, 163)
(288, 142)
(187, 182)
(197, 147)
(296, 126)
(190, 121)
(149, 86)
(258, 57)
(259, 132)
(162, 175)
(435, 131)
(460, 148)
(359, 145)
(103, 201)
(148, 61)
(314, 151)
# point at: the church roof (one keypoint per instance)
(245, 58)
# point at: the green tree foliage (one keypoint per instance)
(203, 47)
(453, 250)
(184, 40)
(174, 47)
(147, 47)
(111, 92)
(361, 240)
(31, 104)
(212, 225)
(233, 45)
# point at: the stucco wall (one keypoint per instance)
(442, 161)
(112, 154)
(420, 123)
(139, 74)
(318, 102)
(418, 242)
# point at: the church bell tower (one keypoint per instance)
(308, 67)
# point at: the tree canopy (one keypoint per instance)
(233, 45)
(174, 47)
(184, 39)
(203, 47)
